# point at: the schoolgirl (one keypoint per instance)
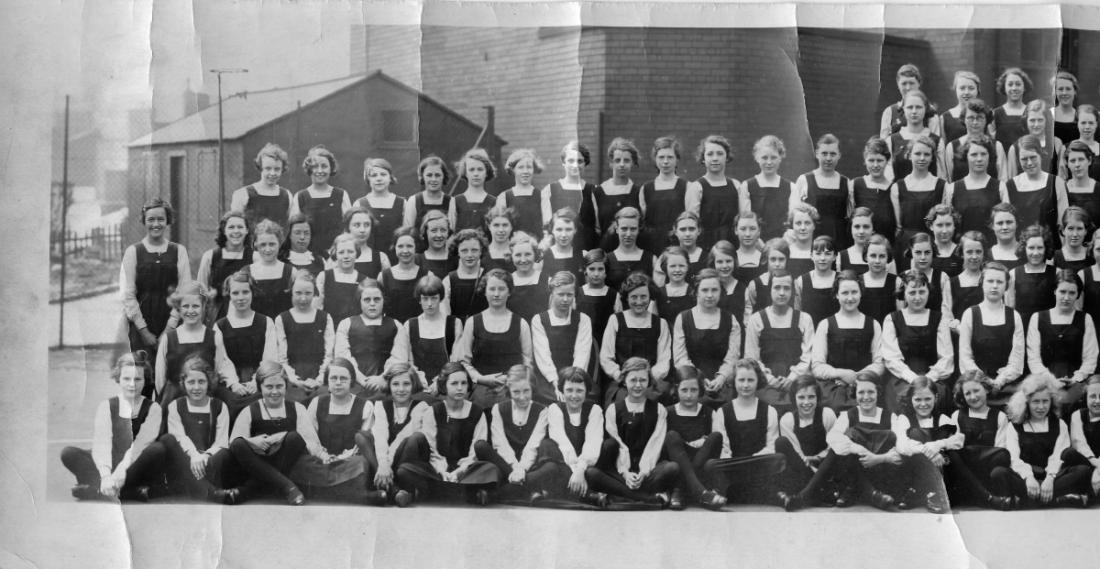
(635, 333)
(435, 235)
(151, 268)
(916, 342)
(571, 191)
(871, 190)
(575, 428)
(1010, 119)
(663, 198)
(461, 297)
(304, 337)
(781, 339)
(942, 221)
(826, 190)
(192, 336)
(125, 461)
(1081, 186)
(595, 299)
(868, 464)
(1039, 126)
(295, 249)
(371, 341)
(1033, 282)
(560, 337)
(498, 255)
(920, 255)
(398, 418)
(954, 163)
(1086, 124)
(750, 255)
(978, 191)
(268, 438)
(1034, 191)
(233, 252)
(468, 209)
(1037, 476)
(399, 280)
(629, 464)
(488, 345)
(802, 221)
(1083, 435)
(338, 286)
(528, 297)
(901, 164)
(675, 295)
(523, 165)
(1090, 276)
(564, 254)
(769, 194)
(967, 86)
(966, 288)
(271, 277)
(862, 227)
(432, 334)
(893, 117)
(685, 233)
(708, 339)
(991, 335)
(1005, 250)
(924, 435)
(845, 344)
(441, 457)
(433, 175)
(880, 284)
(321, 202)
(249, 338)
(747, 465)
(915, 193)
(360, 224)
(985, 431)
(517, 427)
(627, 257)
(387, 208)
(618, 191)
(1064, 85)
(197, 437)
(691, 441)
(1062, 341)
(813, 291)
(715, 198)
(723, 260)
(802, 431)
(265, 198)
(758, 292)
(336, 466)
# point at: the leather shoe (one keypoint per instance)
(712, 500)
(937, 503)
(1002, 503)
(598, 499)
(790, 502)
(403, 498)
(227, 496)
(676, 500)
(882, 500)
(294, 497)
(1074, 500)
(481, 497)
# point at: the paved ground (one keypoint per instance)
(177, 534)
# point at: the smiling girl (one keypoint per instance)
(460, 285)
(571, 191)
(769, 194)
(500, 223)
(386, 207)
(432, 334)
(1064, 87)
(323, 203)
(691, 440)
(371, 341)
(560, 337)
(399, 280)
(708, 339)
(249, 339)
(675, 295)
(635, 333)
(397, 420)
(338, 285)
(265, 199)
(271, 277)
(359, 223)
(802, 431)
(528, 298)
(985, 431)
(488, 346)
(1038, 125)
(915, 193)
(618, 191)
(435, 234)
(916, 107)
(523, 165)
(433, 176)
(1034, 191)
(916, 342)
(826, 189)
(191, 337)
(781, 339)
(845, 344)
(1010, 119)
(1081, 185)
(1062, 341)
(716, 198)
(991, 335)
(663, 197)
(305, 337)
(967, 86)
(1033, 282)
(233, 252)
(802, 220)
(978, 191)
(468, 209)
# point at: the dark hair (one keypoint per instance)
(939, 210)
(753, 365)
(846, 275)
(195, 362)
(320, 151)
(667, 142)
(501, 274)
(243, 275)
(466, 235)
(1028, 85)
(155, 203)
(714, 139)
(876, 145)
(801, 382)
(220, 240)
(448, 369)
(432, 160)
(1068, 276)
(572, 374)
(905, 398)
(345, 221)
(976, 376)
(398, 369)
(291, 221)
(579, 148)
(1031, 232)
(632, 282)
(619, 144)
(429, 285)
(138, 359)
(341, 363)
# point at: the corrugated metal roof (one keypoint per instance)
(244, 113)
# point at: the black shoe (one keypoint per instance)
(790, 502)
(376, 498)
(909, 499)
(294, 497)
(663, 499)
(1073, 500)
(85, 492)
(227, 496)
(403, 498)
(481, 497)
(598, 499)
(137, 494)
(828, 498)
(846, 499)
(937, 503)
(676, 500)
(1002, 503)
(882, 500)
(712, 500)
(538, 496)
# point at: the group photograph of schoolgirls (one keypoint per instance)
(909, 329)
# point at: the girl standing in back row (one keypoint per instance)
(323, 203)
(716, 198)
(827, 190)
